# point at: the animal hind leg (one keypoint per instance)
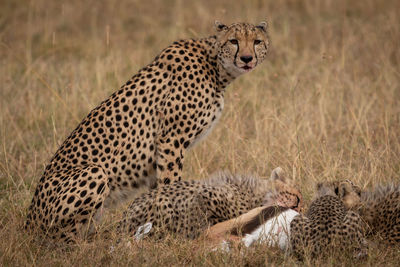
(79, 204)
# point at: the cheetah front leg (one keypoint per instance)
(169, 160)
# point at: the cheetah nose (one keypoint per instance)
(246, 59)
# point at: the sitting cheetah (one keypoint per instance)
(380, 211)
(328, 225)
(138, 137)
(190, 207)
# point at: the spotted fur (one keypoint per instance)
(380, 209)
(189, 207)
(328, 225)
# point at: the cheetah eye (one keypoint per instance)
(233, 41)
(256, 42)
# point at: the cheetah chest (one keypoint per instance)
(212, 121)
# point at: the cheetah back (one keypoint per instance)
(326, 227)
(189, 207)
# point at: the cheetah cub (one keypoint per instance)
(380, 209)
(190, 207)
(138, 137)
(380, 212)
(328, 225)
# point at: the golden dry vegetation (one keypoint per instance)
(325, 105)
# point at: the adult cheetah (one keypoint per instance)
(190, 207)
(139, 135)
(328, 225)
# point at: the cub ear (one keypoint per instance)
(263, 25)
(277, 174)
(220, 26)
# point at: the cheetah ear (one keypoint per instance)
(263, 25)
(220, 26)
(277, 174)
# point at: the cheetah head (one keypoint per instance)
(349, 193)
(285, 194)
(242, 46)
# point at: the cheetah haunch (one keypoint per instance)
(328, 225)
(140, 134)
(190, 207)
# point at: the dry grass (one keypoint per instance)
(324, 105)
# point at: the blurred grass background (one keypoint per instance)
(324, 105)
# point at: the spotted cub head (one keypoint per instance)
(284, 192)
(346, 190)
(242, 46)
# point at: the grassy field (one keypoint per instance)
(324, 105)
